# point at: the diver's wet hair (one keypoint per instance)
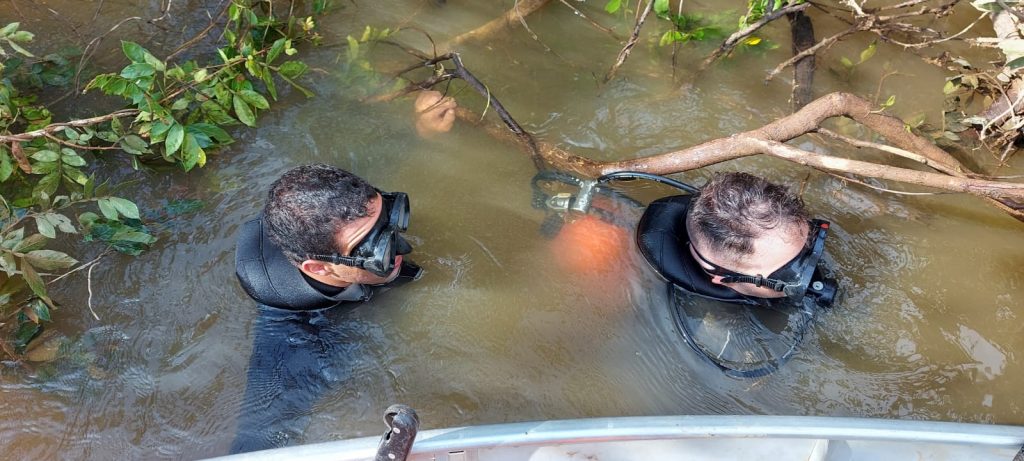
(734, 209)
(309, 204)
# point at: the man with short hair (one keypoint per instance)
(326, 239)
(741, 239)
(746, 224)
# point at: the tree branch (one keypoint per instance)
(624, 53)
(513, 16)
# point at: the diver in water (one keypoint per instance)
(326, 241)
(742, 239)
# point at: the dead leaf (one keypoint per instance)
(19, 155)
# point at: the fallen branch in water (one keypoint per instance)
(513, 16)
(769, 139)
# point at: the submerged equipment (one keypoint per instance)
(378, 251)
(754, 341)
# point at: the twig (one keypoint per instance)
(624, 53)
(83, 266)
(76, 146)
(88, 285)
(1012, 11)
(739, 35)
(53, 127)
(872, 186)
(592, 22)
(889, 149)
(202, 34)
(824, 43)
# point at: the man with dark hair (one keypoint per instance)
(326, 239)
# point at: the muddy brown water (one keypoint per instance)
(927, 326)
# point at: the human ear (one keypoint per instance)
(312, 266)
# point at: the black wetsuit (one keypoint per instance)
(300, 344)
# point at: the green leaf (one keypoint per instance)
(847, 63)
(174, 138)
(243, 111)
(889, 102)
(107, 209)
(613, 6)
(212, 131)
(45, 227)
(254, 99)
(48, 185)
(268, 79)
(353, 49)
(49, 260)
(30, 243)
(15, 47)
(293, 69)
(41, 310)
(34, 281)
(275, 50)
(62, 222)
(153, 61)
(21, 36)
(9, 29)
(26, 331)
(661, 7)
(70, 157)
(868, 52)
(192, 154)
(134, 145)
(6, 165)
(75, 175)
(180, 104)
(133, 51)
(137, 70)
(125, 207)
(45, 156)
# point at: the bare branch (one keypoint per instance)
(511, 17)
(631, 43)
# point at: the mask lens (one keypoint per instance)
(398, 210)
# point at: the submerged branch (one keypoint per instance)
(513, 16)
(54, 127)
(624, 53)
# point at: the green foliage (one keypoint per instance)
(687, 27)
(177, 112)
(358, 72)
(849, 67)
(757, 9)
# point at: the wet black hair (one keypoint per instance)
(734, 209)
(309, 204)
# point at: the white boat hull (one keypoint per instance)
(697, 438)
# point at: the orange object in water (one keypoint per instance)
(589, 245)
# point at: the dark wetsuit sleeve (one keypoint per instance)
(289, 370)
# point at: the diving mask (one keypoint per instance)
(798, 278)
(378, 250)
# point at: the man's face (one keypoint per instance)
(346, 239)
(771, 251)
